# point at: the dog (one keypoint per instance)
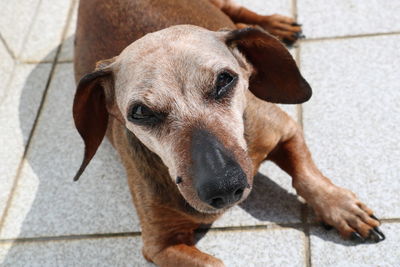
(185, 92)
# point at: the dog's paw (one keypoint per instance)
(284, 28)
(340, 208)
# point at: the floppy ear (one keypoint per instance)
(276, 77)
(90, 110)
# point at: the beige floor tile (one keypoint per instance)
(348, 17)
(16, 18)
(6, 70)
(351, 122)
(116, 251)
(256, 248)
(46, 31)
(18, 110)
(329, 250)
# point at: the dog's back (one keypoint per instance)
(105, 28)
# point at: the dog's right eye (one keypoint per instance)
(140, 114)
(225, 81)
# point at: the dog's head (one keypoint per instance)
(182, 92)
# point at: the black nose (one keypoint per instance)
(218, 178)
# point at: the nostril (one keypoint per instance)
(178, 180)
(217, 202)
(238, 194)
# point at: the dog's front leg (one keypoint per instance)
(333, 205)
(185, 255)
(169, 240)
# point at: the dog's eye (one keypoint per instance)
(225, 81)
(140, 114)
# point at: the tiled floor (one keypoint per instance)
(351, 58)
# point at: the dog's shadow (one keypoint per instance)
(60, 207)
(270, 202)
(267, 203)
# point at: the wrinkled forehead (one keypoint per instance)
(181, 37)
(169, 59)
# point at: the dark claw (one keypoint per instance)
(376, 235)
(296, 24)
(299, 35)
(302, 36)
(288, 43)
(373, 217)
(357, 237)
(326, 226)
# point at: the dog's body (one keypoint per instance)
(167, 220)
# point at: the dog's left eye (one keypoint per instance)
(224, 82)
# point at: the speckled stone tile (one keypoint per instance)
(6, 69)
(15, 21)
(46, 31)
(67, 49)
(328, 249)
(283, 247)
(47, 202)
(352, 120)
(348, 17)
(117, 251)
(283, 7)
(18, 108)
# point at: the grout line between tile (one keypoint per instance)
(124, 234)
(299, 107)
(4, 94)
(39, 111)
(306, 230)
(65, 62)
(45, 62)
(294, 9)
(255, 227)
(391, 220)
(299, 112)
(283, 226)
(68, 237)
(7, 47)
(345, 37)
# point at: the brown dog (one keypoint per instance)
(188, 109)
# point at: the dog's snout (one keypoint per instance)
(218, 178)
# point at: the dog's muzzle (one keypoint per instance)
(218, 178)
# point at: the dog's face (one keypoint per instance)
(169, 88)
(182, 92)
